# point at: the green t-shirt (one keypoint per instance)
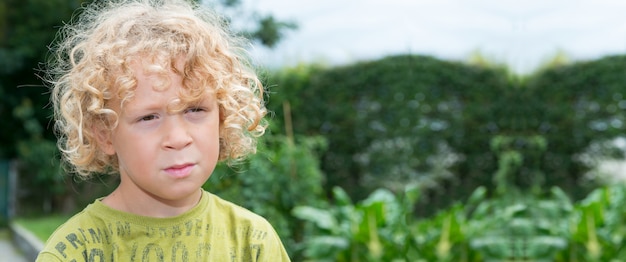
(214, 230)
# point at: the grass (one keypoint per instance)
(4, 233)
(42, 227)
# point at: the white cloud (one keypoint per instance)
(520, 33)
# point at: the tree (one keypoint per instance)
(262, 28)
(25, 31)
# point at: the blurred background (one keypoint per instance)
(401, 131)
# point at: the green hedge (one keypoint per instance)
(453, 127)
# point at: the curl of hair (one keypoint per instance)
(89, 67)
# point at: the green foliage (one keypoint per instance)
(399, 119)
(518, 226)
(598, 227)
(39, 161)
(512, 227)
(591, 99)
(26, 29)
(448, 125)
(376, 229)
(270, 30)
(43, 171)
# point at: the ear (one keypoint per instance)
(103, 137)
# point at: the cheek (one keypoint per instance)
(133, 146)
(216, 141)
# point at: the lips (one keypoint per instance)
(179, 171)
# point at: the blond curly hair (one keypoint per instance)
(90, 67)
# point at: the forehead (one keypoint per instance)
(156, 64)
(156, 76)
(161, 82)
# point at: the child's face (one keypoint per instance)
(162, 154)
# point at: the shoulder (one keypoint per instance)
(232, 211)
(249, 227)
(78, 220)
(234, 218)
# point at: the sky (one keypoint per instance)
(523, 34)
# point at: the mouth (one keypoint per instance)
(179, 171)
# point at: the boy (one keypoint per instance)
(158, 92)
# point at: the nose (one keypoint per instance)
(176, 134)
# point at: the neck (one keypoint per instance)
(145, 204)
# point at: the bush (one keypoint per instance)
(512, 227)
(397, 120)
(376, 229)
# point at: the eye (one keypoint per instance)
(147, 118)
(196, 113)
(195, 110)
